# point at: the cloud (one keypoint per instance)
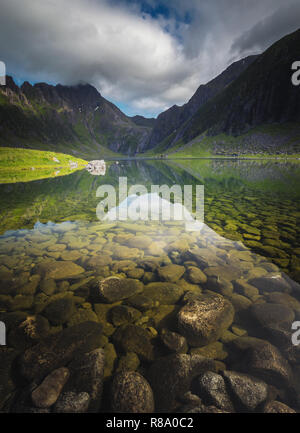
(267, 31)
(145, 55)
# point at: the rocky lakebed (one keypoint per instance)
(144, 317)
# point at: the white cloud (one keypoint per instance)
(143, 62)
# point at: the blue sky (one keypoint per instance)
(145, 56)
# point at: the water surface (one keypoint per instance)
(52, 246)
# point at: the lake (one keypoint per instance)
(229, 291)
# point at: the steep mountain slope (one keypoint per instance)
(262, 97)
(251, 107)
(73, 119)
(172, 119)
(143, 121)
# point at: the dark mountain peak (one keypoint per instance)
(172, 109)
(172, 120)
(262, 94)
(81, 94)
(76, 117)
(26, 86)
(10, 84)
(143, 121)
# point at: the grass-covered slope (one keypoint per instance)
(278, 140)
(72, 119)
(21, 165)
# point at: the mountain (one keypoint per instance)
(251, 107)
(258, 111)
(172, 119)
(73, 119)
(143, 121)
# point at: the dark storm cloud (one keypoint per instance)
(146, 55)
(267, 31)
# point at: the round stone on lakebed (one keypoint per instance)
(171, 273)
(122, 314)
(46, 394)
(171, 377)
(131, 393)
(59, 349)
(277, 407)
(72, 402)
(113, 289)
(204, 320)
(164, 293)
(249, 392)
(271, 283)
(132, 338)
(59, 270)
(211, 389)
(268, 315)
(196, 276)
(59, 311)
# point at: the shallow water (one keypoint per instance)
(53, 248)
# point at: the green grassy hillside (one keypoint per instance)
(21, 165)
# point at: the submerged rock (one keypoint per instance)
(59, 311)
(240, 302)
(110, 359)
(30, 287)
(164, 293)
(202, 409)
(277, 407)
(140, 242)
(171, 376)
(204, 320)
(164, 316)
(190, 399)
(212, 390)
(28, 332)
(213, 350)
(59, 349)
(114, 289)
(246, 289)
(271, 283)
(83, 315)
(72, 402)
(174, 341)
(196, 276)
(59, 270)
(87, 376)
(128, 362)
(131, 393)
(46, 394)
(7, 385)
(267, 314)
(132, 338)
(248, 391)
(171, 273)
(284, 299)
(141, 302)
(263, 360)
(122, 314)
(48, 287)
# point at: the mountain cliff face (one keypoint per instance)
(170, 121)
(261, 95)
(74, 119)
(254, 92)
